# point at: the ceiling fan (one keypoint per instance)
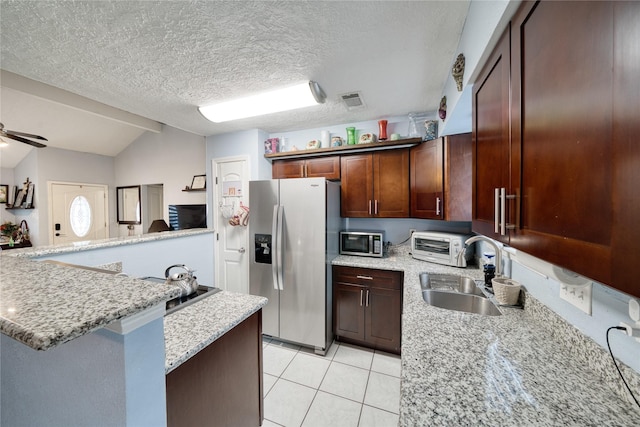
(22, 137)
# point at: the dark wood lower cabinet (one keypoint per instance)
(367, 307)
(222, 384)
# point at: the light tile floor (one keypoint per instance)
(348, 387)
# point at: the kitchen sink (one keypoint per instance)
(460, 302)
(459, 293)
(450, 283)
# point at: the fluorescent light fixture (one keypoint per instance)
(289, 98)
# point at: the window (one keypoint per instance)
(80, 216)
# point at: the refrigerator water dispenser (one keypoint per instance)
(263, 248)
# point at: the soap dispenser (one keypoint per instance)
(489, 268)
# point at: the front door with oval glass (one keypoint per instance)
(78, 212)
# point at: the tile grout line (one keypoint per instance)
(331, 360)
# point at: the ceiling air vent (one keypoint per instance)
(352, 100)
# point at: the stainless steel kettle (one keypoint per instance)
(184, 279)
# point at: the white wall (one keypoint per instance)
(171, 158)
(27, 168)
(55, 164)
(243, 143)
(485, 23)
(98, 379)
(299, 138)
(151, 258)
(6, 178)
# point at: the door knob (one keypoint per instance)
(242, 250)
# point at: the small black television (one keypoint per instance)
(183, 217)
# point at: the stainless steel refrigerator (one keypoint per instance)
(294, 228)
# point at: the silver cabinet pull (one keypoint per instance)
(367, 298)
(361, 295)
(500, 211)
(496, 210)
(503, 194)
(376, 207)
(364, 277)
(369, 207)
(437, 205)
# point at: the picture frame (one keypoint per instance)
(29, 198)
(199, 182)
(4, 193)
(19, 198)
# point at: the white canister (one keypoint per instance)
(325, 139)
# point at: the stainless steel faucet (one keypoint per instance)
(492, 243)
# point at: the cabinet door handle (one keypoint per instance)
(302, 170)
(496, 210)
(367, 298)
(364, 277)
(361, 295)
(369, 207)
(376, 207)
(503, 213)
(306, 170)
(437, 205)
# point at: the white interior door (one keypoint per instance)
(230, 200)
(77, 212)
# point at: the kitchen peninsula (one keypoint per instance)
(81, 347)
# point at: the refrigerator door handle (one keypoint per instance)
(279, 253)
(274, 247)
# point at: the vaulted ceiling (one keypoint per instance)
(160, 60)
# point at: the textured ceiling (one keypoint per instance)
(161, 60)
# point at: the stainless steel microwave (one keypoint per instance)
(362, 243)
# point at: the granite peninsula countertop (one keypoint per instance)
(86, 245)
(465, 369)
(44, 305)
(189, 330)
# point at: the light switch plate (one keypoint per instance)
(580, 296)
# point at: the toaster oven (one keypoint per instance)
(440, 247)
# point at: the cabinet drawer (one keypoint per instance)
(386, 279)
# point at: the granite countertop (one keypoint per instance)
(189, 330)
(467, 369)
(39, 251)
(44, 305)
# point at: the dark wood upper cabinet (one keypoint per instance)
(321, 167)
(626, 152)
(427, 180)
(356, 192)
(562, 134)
(491, 141)
(375, 185)
(555, 124)
(440, 178)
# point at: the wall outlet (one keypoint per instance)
(580, 296)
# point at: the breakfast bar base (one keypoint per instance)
(222, 384)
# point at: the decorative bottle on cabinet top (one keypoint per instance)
(351, 135)
(382, 125)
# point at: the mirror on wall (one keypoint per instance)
(128, 204)
(152, 205)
